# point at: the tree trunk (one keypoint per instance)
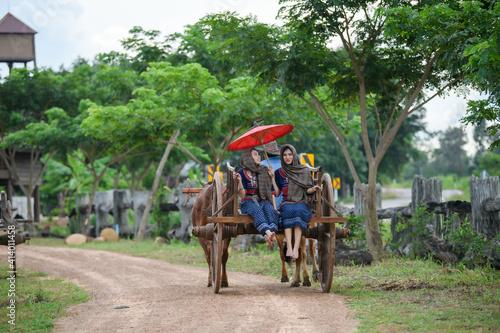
(61, 200)
(117, 179)
(91, 202)
(156, 182)
(28, 193)
(372, 229)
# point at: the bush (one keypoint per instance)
(418, 233)
(473, 248)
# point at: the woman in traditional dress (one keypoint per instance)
(295, 181)
(255, 182)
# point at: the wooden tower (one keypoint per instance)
(17, 41)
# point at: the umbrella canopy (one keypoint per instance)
(260, 135)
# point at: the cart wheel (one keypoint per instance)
(326, 240)
(216, 247)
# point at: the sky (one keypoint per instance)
(68, 29)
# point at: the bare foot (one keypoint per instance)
(295, 254)
(273, 236)
(289, 252)
(269, 243)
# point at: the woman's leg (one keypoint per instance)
(271, 215)
(259, 220)
(298, 235)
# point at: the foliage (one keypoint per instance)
(484, 63)
(451, 157)
(165, 221)
(415, 231)
(472, 246)
(489, 162)
(357, 228)
(391, 57)
(146, 46)
(25, 95)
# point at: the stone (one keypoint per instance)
(109, 235)
(75, 239)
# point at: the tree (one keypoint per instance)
(172, 97)
(37, 139)
(484, 71)
(393, 52)
(451, 157)
(490, 162)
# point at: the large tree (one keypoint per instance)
(450, 157)
(393, 53)
(484, 66)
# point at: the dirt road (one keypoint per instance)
(403, 196)
(162, 297)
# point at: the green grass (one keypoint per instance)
(39, 301)
(394, 295)
(421, 296)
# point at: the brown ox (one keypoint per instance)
(301, 262)
(204, 201)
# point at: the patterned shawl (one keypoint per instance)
(299, 176)
(264, 181)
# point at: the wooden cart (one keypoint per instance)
(225, 221)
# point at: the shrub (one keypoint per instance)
(472, 246)
(418, 233)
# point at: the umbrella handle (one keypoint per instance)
(265, 153)
(269, 163)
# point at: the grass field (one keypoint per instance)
(394, 295)
(38, 301)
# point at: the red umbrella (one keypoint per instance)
(260, 135)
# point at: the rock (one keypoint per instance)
(75, 239)
(346, 256)
(109, 235)
(160, 240)
(89, 239)
(100, 239)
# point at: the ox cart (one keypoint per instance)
(225, 222)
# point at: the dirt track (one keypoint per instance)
(170, 298)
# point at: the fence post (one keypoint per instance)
(121, 204)
(427, 190)
(103, 204)
(185, 205)
(139, 202)
(82, 204)
(482, 190)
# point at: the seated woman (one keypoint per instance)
(295, 180)
(255, 190)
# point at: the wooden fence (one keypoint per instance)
(483, 211)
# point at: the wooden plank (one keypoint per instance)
(249, 219)
(327, 219)
(191, 190)
(231, 219)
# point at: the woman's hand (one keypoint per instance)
(313, 189)
(236, 176)
(239, 185)
(270, 171)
